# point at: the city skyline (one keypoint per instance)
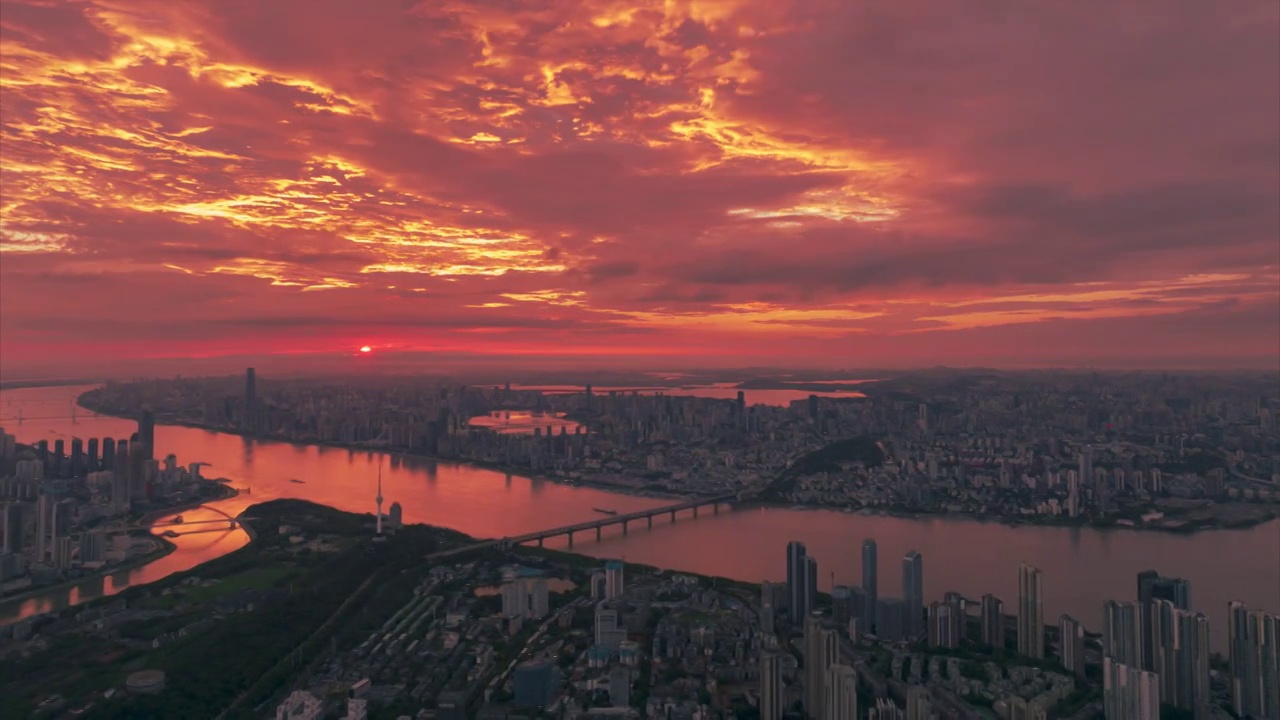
(676, 184)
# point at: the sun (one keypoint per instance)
(365, 349)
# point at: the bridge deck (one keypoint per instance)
(619, 519)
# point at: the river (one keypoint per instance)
(1082, 567)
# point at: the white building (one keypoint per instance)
(300, 705)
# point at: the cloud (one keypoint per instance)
(851, 179)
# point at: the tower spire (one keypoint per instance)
(379, 527)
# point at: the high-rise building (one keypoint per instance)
(137, 472)
(870, 581)
(14, 528)
(44, 515)
(77, 457)
(913, 593)
(992, 621)
(841, 604)
(1030, 611)
(249, 422)
(534, 683)
(613, 579)
(108, 453)
(891, 615)
(821, 651)
(92, 464)
(1128, 692)
(93, 546)
(1154, 586)
(946, 624)
(798, 602)
(1071, 650)
(527, 598)
(772, 690)
(1254, 653)
(919, 703)
(767, 607)
(841, 702)
(1121, 632)
(147, 433)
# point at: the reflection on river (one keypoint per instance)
(1082, 567)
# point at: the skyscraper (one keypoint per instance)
(137, 471)
(797, 604)
(946, 624)
(249, 422)
(870, 581)
(913, 593)
(1129, 693)
(77, 457)
(92, 460)
(1121, 632)
(14, 523)
(44, 513)
(147, 433)
(992, 621)
(1254, 653)
(1071, 652)
(841, 702)
(772, 691)
(821, 651)
(1154, 586)
(1030, 611)
(108, 453)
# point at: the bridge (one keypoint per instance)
(598, 525)
(624, 520)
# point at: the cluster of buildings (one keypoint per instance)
(1154, 651)
(1036, 447)
(63, 505)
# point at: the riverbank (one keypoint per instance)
(1177, 522)
(1179, 526)
(164, 548)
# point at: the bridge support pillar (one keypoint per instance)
(650, 519)
(673, 516)
(695, 511)
(624, 527)
(715, 509)
(570, 539)
(598, 532)
(539, 542)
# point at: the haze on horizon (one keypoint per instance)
(687, 183)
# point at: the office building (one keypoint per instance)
(1071, 645)
(1128, 692)
(992, 621)
(1121, 632)
(613, 579)
(1253, 652)
(841, 702)
(884, 709)
(147, 433)
(137, 472)
(821, 652)
(772, 689)
(767, 609)
(913, 593)
(1030, 612)
(1153, 586)
(609, 633)
(870, 581)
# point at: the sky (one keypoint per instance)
(808, 183)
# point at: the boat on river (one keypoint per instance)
(296, 480)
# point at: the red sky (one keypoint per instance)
(717, 182)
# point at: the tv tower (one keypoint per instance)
(379, 527)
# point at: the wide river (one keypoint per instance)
(1082, 568)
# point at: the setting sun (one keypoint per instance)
(366, 349)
